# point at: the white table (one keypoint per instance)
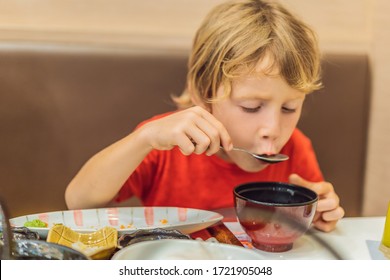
(353, 239)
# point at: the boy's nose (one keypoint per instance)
(270, 126)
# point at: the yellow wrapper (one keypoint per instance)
(385, 244)
(99, 244)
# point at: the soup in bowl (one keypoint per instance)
(274, 214)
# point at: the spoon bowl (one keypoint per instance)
(275, 158)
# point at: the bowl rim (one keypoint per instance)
(267, 184)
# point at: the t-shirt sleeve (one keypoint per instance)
(138, 182)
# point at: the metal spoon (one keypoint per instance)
(275, 158)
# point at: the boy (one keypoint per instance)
(251, 66)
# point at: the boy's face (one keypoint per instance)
(260, 116)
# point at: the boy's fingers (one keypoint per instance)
(321, 188)
(211, 136)
(186, 145)
(328, 203)
(325, 226)
(298, 180)
(225, 139)
(333, 215)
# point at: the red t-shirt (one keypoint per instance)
(169, 178)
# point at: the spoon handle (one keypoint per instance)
(266, 158)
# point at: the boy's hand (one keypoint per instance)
(194, 130)
(328, 207)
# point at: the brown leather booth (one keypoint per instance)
(59, 105)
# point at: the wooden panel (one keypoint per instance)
(336, 119)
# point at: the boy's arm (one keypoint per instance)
(101, 178)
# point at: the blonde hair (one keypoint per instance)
(236, 35)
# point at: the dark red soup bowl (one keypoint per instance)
(274, 214)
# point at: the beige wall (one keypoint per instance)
(340, 23)
(377, 183)
(342, 26)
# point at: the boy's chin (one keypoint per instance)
(244, 162)
(253, 167)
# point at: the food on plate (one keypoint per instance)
(130, 225)
(35, 223)
(99, 244)
(88, 250)
(148, 235)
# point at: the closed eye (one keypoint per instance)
(251, 110)
(288, 110)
